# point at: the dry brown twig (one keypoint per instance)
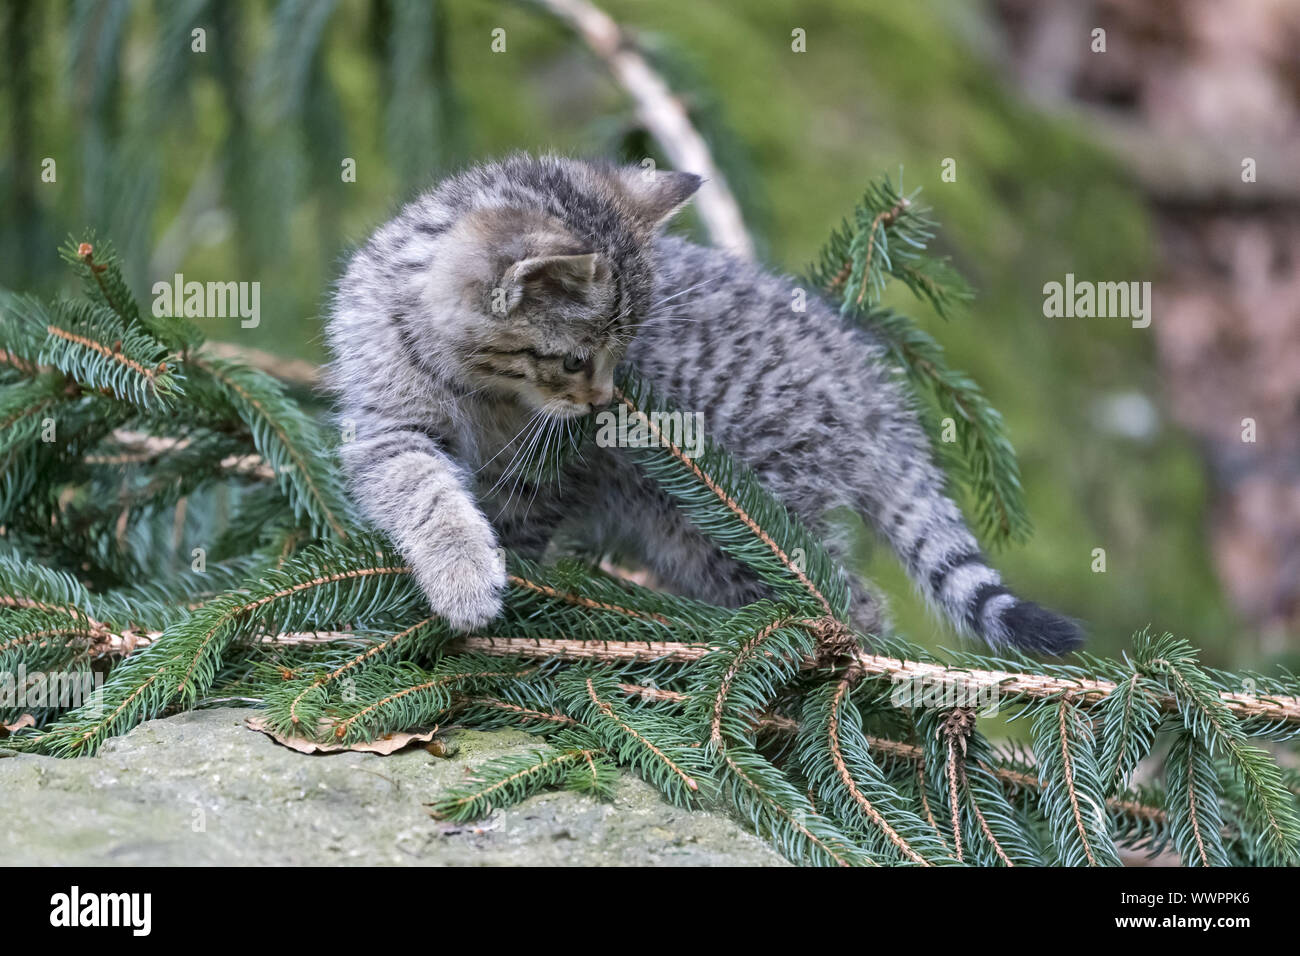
(663, 115)
(141, 447)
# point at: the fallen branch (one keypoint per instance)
(1003, 683)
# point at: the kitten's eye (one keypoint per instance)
(574, 363)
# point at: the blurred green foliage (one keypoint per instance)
(227, 165)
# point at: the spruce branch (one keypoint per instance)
(11, 360)
(1270, 813)
(392, 697)
(886, 239)
(1012, 686)
(1137, 819)
(1131, 715)
(285, 438)
(966, 773)
(953, 772)
(102, 278)
(836, 761)
(517, 715)
(341, 585)
(1072, 799)
(302, 702)
(1192, 803)
(656, 746)
(583, 601)
(26, 406)
(739, 683)
(509, 780)
(37, 647)
(99, 267)
(91, 346)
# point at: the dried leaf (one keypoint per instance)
(383, 745)
(26, 720)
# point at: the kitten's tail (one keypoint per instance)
(927, 531)
(1022, 624)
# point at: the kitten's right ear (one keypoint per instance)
(656, 194)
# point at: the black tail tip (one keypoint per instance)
(1031, 627)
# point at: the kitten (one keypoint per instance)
(490, 315)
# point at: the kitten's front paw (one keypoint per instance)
(463, 581)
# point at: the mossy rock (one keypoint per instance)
(202, 789)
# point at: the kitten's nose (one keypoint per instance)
(601, 395)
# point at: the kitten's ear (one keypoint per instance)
(655, 194)
(568, 275)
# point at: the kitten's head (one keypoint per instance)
(539, 275)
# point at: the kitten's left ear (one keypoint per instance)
(655, 194)
(571, 275)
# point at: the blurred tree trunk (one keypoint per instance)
(1186, 91)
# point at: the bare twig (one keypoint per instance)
(663, 115)
(141, 447)
(293, 371)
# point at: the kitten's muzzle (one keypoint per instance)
(593, 398)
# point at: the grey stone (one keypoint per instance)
(202, 789)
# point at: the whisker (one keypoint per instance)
(520, 450)
(540, 438)
(508, 444)
(667, 319)
(690, 288)
(542, 420)
(558, 424)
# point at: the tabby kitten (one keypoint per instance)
(489, 316)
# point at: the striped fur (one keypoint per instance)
(438, 389)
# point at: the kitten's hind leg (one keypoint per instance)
(867, 611)
(692, 564)
(635, 518)
(628, 514)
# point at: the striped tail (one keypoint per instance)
(927, 531)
